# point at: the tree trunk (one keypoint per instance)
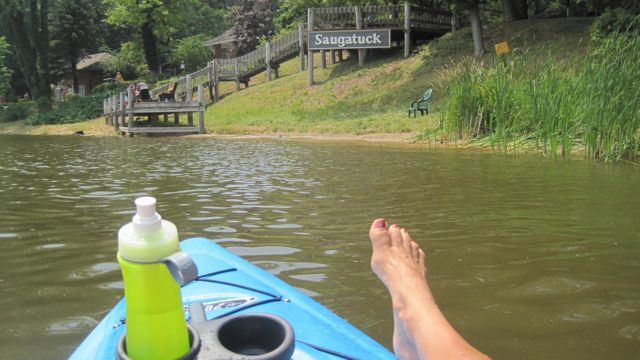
(74, 76)
(29, 35)
(455, 22)
(150, 47)
(476, 28)
(514, 9)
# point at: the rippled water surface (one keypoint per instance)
(528, 258)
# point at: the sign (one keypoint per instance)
(350, 39)
(502, 48)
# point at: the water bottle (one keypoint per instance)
(156, 326)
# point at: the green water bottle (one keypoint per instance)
(156, 326)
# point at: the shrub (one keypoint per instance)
(75, 109)
(17, 111)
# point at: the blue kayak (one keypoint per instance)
(229, 287)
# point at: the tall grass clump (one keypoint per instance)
(592, 105)
(553, 121)
(486, 100)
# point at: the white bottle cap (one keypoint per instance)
(146, 219)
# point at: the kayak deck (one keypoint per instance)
(229, 285)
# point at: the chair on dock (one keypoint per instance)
(169, 95)
(421, 104)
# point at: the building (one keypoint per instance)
(90, 72)
(223, 46)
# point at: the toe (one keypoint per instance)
(406, 241)
(421, 261)
(415, 252)
(396, 236)
(378, 232)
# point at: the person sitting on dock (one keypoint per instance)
(143, 91)
(420, 329)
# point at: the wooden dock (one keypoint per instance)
(122, 114)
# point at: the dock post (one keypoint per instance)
(237, 73)
(165, 118)
(216, 82)
(309, 51)
(301, 45)
(114, 107)
(189, 88)
(407, 29)
(267, 60)
(131, 100)
(361, 53)
(189, 98)
(105, 112)
(123, 112)
(109, 114)
(210, 79)
(332, 57)
(323, 59)
(176, 118)
(202, 108)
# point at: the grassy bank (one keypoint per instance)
(373, 99)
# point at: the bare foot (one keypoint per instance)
(397, 260)
(399, 263)
(420, 329)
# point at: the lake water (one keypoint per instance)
(528, 258)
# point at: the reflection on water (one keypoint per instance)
(529, 258)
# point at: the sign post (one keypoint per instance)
(309, 51)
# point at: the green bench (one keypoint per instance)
(421, 104)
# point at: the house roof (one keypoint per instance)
(226, 37)
(93, 59)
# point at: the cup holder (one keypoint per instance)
(192, 354)
(252, 336)
(256, 335)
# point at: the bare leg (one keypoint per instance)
(420, 329)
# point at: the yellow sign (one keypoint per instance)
(502, 48)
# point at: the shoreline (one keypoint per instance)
(97, 128)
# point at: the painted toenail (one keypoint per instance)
(380, 223)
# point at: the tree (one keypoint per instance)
(209, 18)
(73, 33)
(28, 30)
(156, 19)
(5, 72)
(128, 61)
(191, 51)
(253, 20)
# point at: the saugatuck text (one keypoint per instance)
(342, 40)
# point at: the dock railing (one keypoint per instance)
(120, 111)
